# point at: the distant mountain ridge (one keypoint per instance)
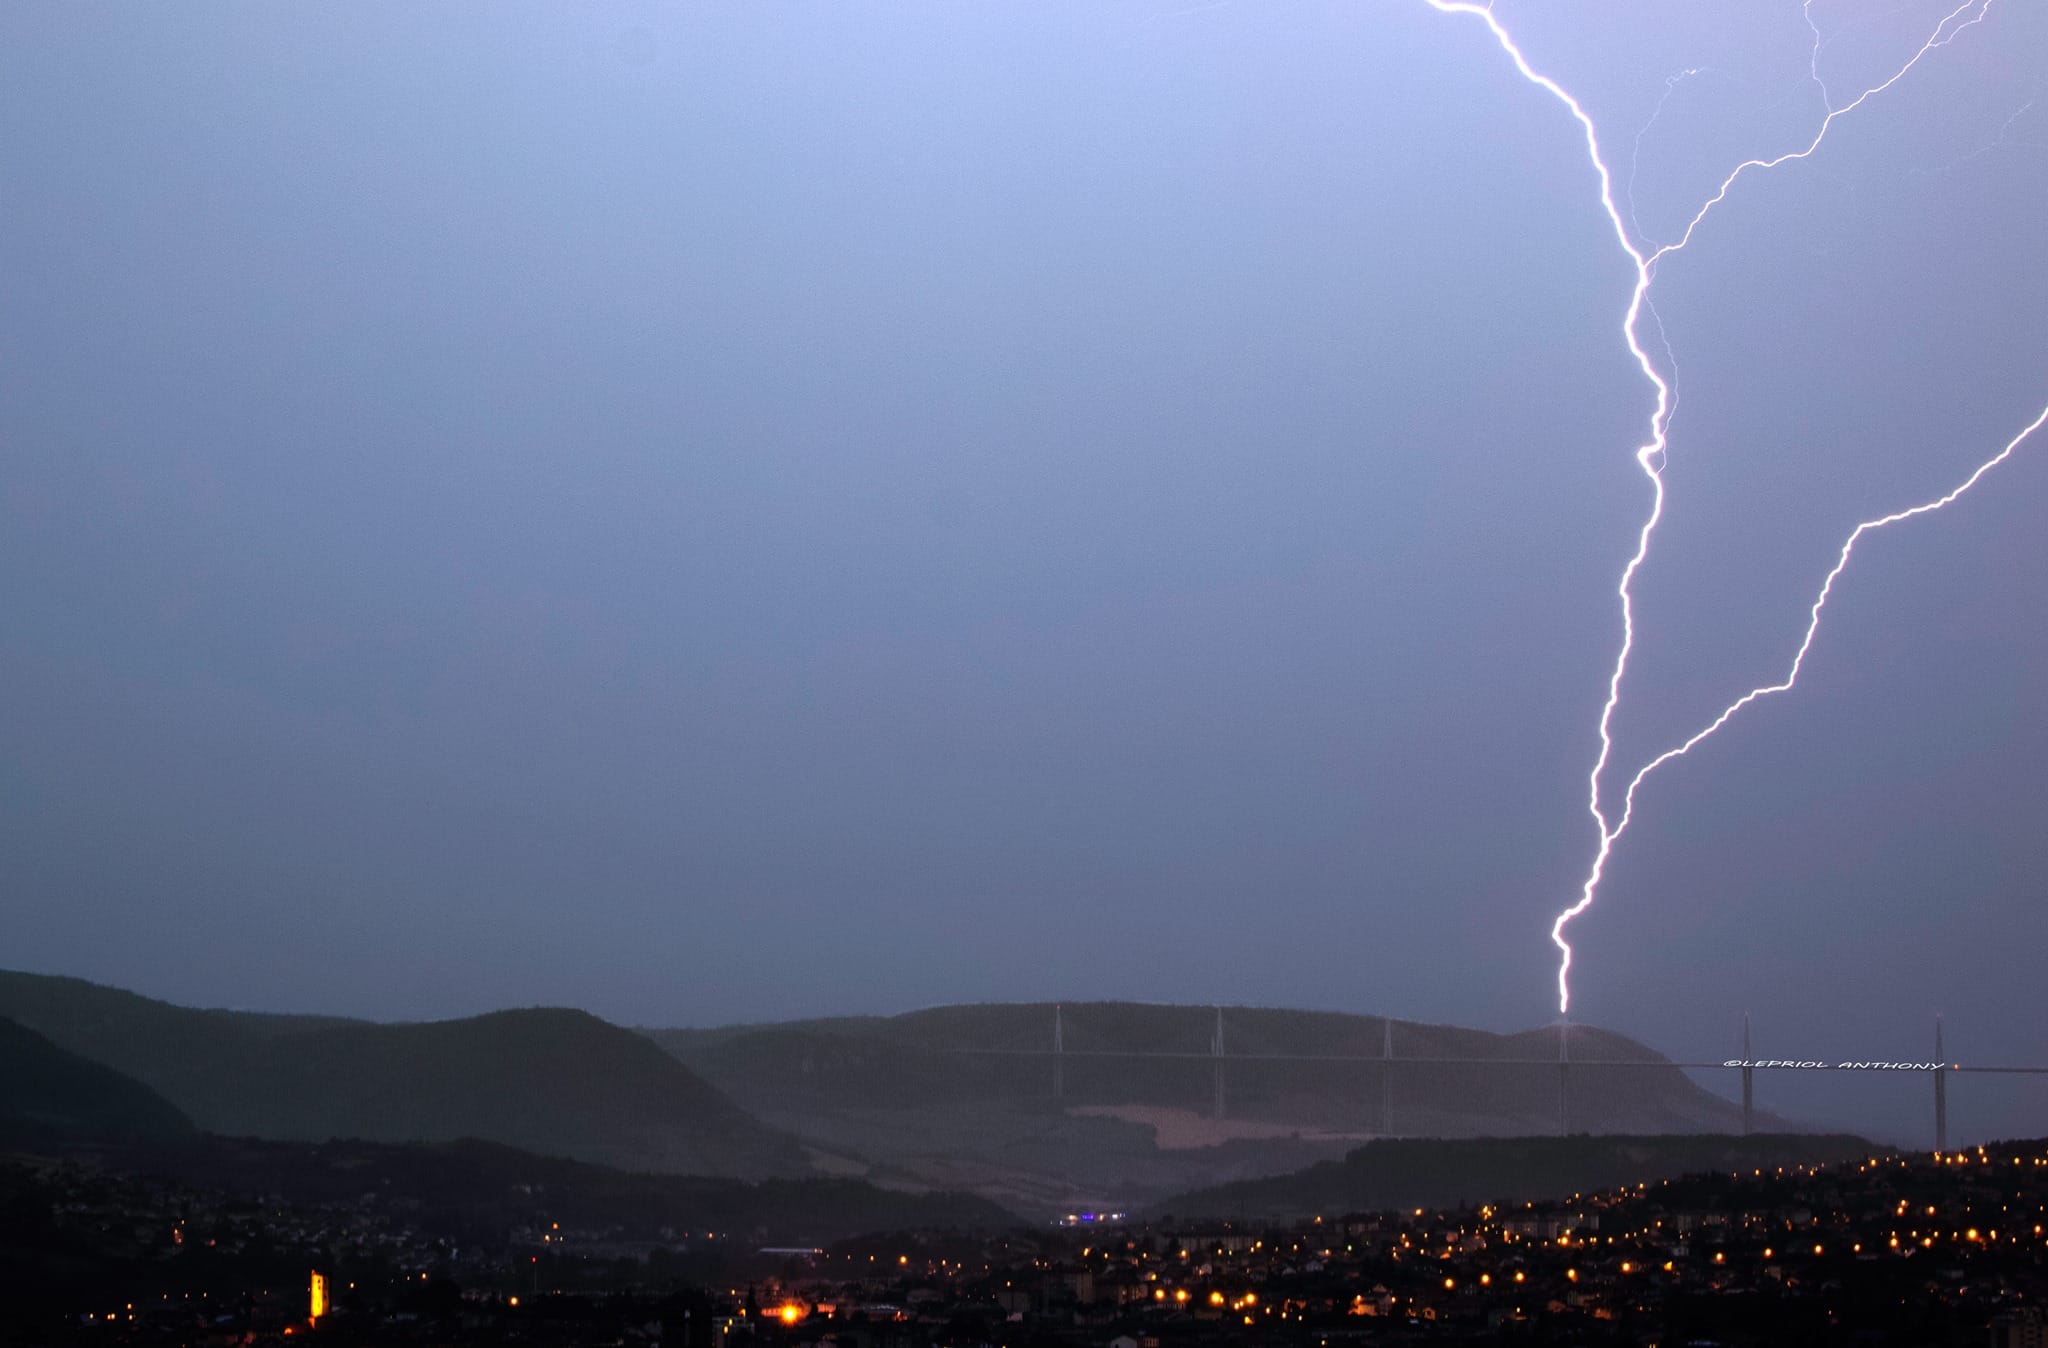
(1136, 1108)
(552, 1081)
(970, 1095)
(469, 1187)
(1314, 1069)
(52, 1097)
(1409, 1172)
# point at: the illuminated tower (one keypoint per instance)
(316, 1297)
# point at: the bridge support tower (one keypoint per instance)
(1564, 1093)
(1059, 1052)
(1940, 1091)
(1216, 1048)
(1748, 1079)
(1386, 1078)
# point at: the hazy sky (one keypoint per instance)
(709, 512)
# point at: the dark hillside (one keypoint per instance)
(558, 1082)
(878, 1070)
(52, 1098)
(481, 1190)
(1321, 1070)
(554, 1081)
(1397, 1173)
(186, 1053)
(967, 1096)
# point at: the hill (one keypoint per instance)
(559, 1082)
(205, 1233)
(52, 1098)
(1315, 1070)
(188, 1054)
(472, 1190)
(967, 1095)
(1400, 1173)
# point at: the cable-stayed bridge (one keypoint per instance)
(1221, 1055)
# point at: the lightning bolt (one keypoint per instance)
(1820, 602)
(1650, 455)
(1635, 156)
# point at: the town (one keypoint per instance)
(1892, 1249)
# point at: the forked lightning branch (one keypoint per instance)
(1651, 454)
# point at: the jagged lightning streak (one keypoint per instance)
(1945, 32)
(1635, 155)
(1650, 455)
(1820, 602)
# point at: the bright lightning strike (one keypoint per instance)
(1650, 454)
(1820, 602)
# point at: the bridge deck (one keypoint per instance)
(1204, 1055)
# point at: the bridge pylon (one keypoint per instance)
(1940, 1091)
(1386, 1076)
(1748, 1079)
(1564, 1093)
(1059, 1052)
(1216, 1048)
